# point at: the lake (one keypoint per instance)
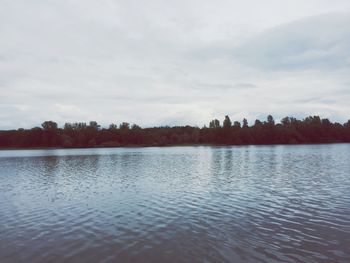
(176, 204)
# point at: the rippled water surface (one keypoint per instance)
(176, 204)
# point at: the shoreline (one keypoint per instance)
(163, 146)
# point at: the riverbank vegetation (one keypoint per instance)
(290, 130)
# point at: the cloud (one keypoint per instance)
(224, 86)
(160, 63)
(319, 42)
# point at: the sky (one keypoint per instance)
(159, 62)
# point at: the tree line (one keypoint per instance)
(290, 130)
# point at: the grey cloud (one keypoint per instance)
(159, 62)
(319, 42)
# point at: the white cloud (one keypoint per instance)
(160, 62)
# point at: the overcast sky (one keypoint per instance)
(172, 62)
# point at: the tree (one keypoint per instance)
(237, 124)
(124, 126)
(113, 126)
(50, 137)
(93, 125)
(257, 123)
(312, 129)
(214, 124)
(245, 123)
(68, 126)
(135, 127)
(49, 125)
(286, 121)
(227, 123)
(270, 120)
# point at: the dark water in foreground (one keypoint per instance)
(176, 204)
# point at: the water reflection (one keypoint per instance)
(176, 204)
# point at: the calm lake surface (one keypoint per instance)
(176, 204)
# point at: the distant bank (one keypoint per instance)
(311, 130)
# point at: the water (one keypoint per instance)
(176, 204)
